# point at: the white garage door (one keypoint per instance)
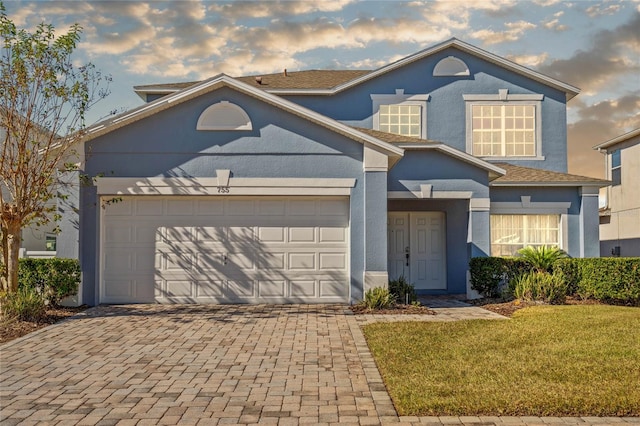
(225, 250)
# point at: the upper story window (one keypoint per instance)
(401, 114)
(616, 168)
(503, 130)
(401, 119)
(504, 125)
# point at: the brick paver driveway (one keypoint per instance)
(169, 364)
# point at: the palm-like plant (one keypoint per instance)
(541, 258)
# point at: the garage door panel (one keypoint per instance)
(302, 235)
(271, 234)
(207, 289)
(332, 289)
(271, 289)
(337, 261)
(270, 261)
(179, 207)
(333, 235)
(302, 261)
(241, 289)
(149, 207)
(257, 250)
(301, 288)
(206, 234)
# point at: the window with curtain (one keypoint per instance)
(511, 232)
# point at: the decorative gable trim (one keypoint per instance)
(451, 67)
(224, 116)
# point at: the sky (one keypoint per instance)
(594, 45)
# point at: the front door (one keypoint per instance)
(416, 249)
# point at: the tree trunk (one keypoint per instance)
(14, 237)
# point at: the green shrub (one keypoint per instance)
(607, 279)
(53, 278)
(569, 270)
(541, 258)
(402, 290)
(25, 305)
(378, 298)
(539, 286)
(489, 275)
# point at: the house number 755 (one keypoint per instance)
(223, 190)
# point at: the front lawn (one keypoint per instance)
(545, 361)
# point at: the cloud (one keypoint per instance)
(599, 10)
(598, 123)
(604, 60)
(554, 24)
(531, 61)
(275, 9)
(513, 32)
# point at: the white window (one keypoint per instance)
(504, 125)
(511, 232)
(400, 114)
(504, 130)
(403, 120)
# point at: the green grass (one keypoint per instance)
(545, 361)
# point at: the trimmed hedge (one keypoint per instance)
(54, 278)
(490, 275)
(607, 279)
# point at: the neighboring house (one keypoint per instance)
(620, 202)
(314, 186)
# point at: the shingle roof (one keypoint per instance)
(527, 176)
(391, 137)
(311, 79)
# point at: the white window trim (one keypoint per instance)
(451, 66)
(501, 98)
(400, 98)
(208, 119)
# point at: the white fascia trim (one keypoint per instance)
(430, 195)
(235, 186)
(622, 138)
(508, 98)
(550, 184)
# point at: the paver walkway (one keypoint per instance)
(177, 364)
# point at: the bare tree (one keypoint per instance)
(43, 101)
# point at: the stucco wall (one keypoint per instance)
(446, 120)
(167, 145)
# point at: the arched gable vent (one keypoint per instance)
(451, 66)
(224, 116)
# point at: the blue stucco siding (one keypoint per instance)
(442, 171)
(457, 221)
(281, 144)
(446, 109)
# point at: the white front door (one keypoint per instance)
(416, 249)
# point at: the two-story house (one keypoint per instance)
(314, 186)
(620, 202)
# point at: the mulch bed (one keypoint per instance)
(398, 309)
(10, 330)
(507, 308)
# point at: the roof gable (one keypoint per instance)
(328, 82)
(222, 80)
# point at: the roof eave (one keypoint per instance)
(617, 140)
(600, 184)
